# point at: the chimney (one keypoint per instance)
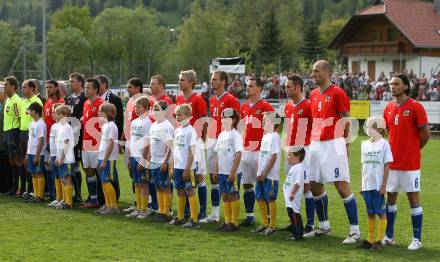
(437, 7)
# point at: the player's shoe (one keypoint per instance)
(101, 209)
(53, 203)
(130, 209)
(260, 229)
(176, 222)
(352, 238)
(110, 211)
(248, 222)
(134, 213)
(415, 244)
(376, 246)
(64, 207)
(210, 219)
(269, 231)
(191, 224)
(320, 231)
(386, 241)
(90, 205)
(295, 238)
(150, 213)
(142, 215)
(59, 204)
(365, 244)
(230, 228)
(222, 227)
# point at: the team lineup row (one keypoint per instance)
(159, 151)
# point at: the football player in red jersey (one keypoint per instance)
(91, 139)
(158, 93)
(220, 101)
(409, 132)
(298, 123)
(252, 114)
(187, 81)
(329, 150)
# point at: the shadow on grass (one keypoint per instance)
(326, 245)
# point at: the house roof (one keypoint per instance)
(417, 20)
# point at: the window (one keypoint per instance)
(391, 34)
(374, 36)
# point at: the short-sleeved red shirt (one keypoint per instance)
(404, 122)
(299, 122)
(253, 120)
(198, 106)
(326, 110)
(91, 110)
(48, 113)
(217, 105)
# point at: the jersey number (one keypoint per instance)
(396, 120)
(319, 106)
(336, 172)
(416, 183)
(215, 113)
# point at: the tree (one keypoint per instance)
(202, 36)
(128, 42)
(311, 48)
(8, 49)
(72, 16)
(270, 46)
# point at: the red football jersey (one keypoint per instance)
(299, 122)
(326, 108)
(403, 123)
(48, 109)
(217, 105)
(253, 120)
(198, 106)
(90, 110)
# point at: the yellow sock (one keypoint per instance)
(144, 202)
(264, 212)
(371, 228)
(273, 213)
(106, 196)
(63, 190)
(194, 207)
(68, 192)
(228, 212)
(41, 185)
(35, 184)
(160, 201)
(166, 203)
(381, 228)
(58, 189)
(112, 195)
(235, 206)
(137, 192)
(181, 207)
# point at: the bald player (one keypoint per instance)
(329, 150)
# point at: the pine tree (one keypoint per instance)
(270, 44)
(311, 48)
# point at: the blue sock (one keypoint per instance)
(417, 219)
(187, 211)
(152, 188)
(201, 191)
(321, 206)
(351, 209)
(310, 208)
(249, 202)
(215, 195)
(50, 183)
(92, 186)
(391, 218)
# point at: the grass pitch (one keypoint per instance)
(34, 232)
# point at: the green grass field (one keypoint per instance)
(34, 232)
